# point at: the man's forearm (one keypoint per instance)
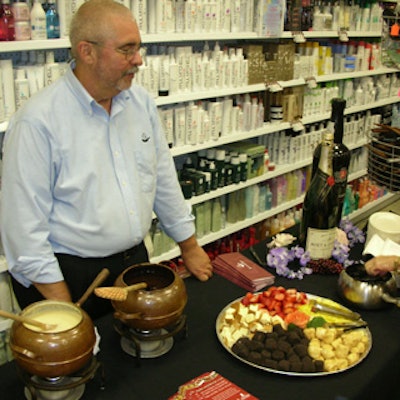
(54, 291)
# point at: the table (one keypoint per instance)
(377, 377)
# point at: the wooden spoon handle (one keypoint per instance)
(136, 286)
(24, 320)
(98, 280)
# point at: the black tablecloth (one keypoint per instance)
(377, 377)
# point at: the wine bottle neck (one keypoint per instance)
(325, 162)
(338, 130)
(337, 118)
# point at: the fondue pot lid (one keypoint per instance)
(62, 315)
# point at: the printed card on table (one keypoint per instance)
(211, 386)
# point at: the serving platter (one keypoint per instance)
(307, 308)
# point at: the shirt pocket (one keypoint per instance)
(147, 169)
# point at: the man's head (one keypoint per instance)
(105, 42)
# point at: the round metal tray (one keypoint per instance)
(289, 373)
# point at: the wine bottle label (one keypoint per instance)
(341, 175)
(320, 242)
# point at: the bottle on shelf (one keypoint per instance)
(38, 22)
(320, 207)
(7, 27)
(52, 21)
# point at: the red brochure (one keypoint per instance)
(242, 271)
(211, 386)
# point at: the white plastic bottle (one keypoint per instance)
(38, 22)
(21, 88)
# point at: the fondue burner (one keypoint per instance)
(69, 387)
(150, 343)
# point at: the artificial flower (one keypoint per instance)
(281, 240)
(340, 253)
(341, 236)
(354, 234)
(280, 258)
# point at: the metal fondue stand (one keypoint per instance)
(148, 319)
(69, 387)
(150, 343)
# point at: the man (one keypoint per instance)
(85, 164)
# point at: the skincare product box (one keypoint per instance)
(255, 156)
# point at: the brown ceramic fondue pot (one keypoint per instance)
(62, 349)
(59, 351)
(159, 305)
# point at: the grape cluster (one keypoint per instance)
(325, 267)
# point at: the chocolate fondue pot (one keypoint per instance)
(159, 305)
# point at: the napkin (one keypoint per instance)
(381, 247)
(242, 271)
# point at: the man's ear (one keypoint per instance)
(86, 51)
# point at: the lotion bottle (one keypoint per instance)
(38, 22)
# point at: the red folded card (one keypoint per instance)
(242, 271)
(211, 386)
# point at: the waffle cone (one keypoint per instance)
(111, 293)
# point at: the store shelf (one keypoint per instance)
(22, 45)
(235, 137)
(232, 228)
(64, 43)
(332, 34)
(351, 110)
(372, 207)
(356, 74)
(208, 94)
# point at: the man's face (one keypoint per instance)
(119, 58)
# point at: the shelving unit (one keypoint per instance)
(242, 37)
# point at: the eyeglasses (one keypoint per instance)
(129, 53)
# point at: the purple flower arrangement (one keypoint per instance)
(292, 262)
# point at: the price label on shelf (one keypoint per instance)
(298, 37)
(343, 35)
(275, 87)
(311, 83)
(297, 126)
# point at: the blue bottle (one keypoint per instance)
(52, 21)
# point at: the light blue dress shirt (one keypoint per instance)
(79, 181)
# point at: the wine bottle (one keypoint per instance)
(341, 154)
(320, 207)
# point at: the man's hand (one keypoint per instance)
(381, 265)
(196, 259)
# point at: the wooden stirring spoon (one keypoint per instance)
(118, 293)
(26, 320)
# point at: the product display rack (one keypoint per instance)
(239, 37)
